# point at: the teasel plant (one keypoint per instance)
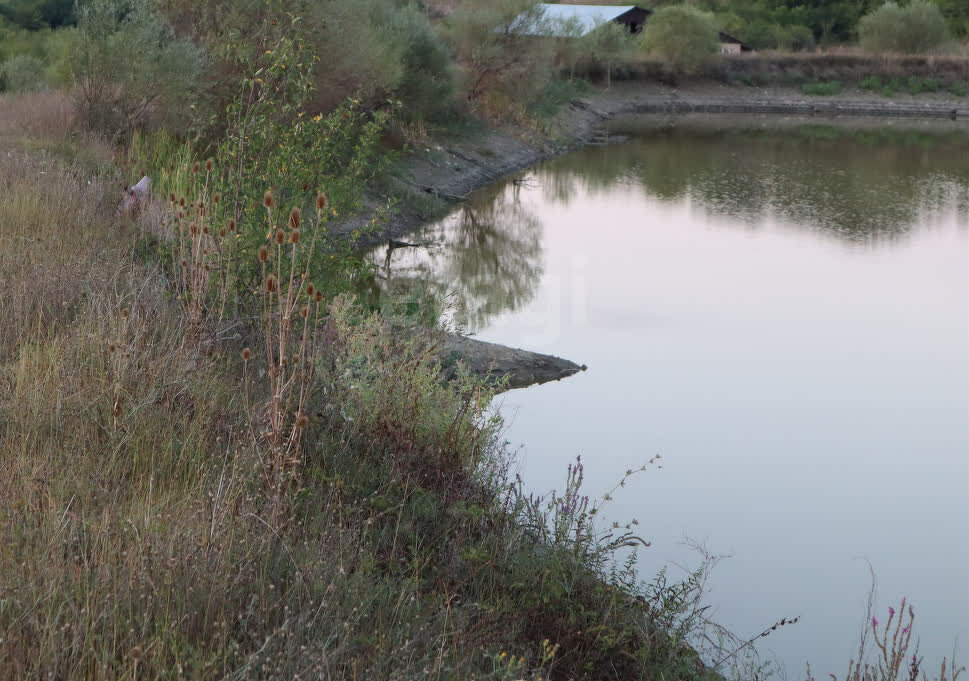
(203, 238)
(291, 310)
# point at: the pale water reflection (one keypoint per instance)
(779, 308)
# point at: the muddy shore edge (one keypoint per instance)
(446, 171)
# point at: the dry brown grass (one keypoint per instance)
(55, 244)
(49, 114)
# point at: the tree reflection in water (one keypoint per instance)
(483, 260)
(855, 180)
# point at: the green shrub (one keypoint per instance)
(23, 73)
(504, 67)
(128, 66)
(376, 50)
(918, 27)
(796, 37)
(828, 88)
(684, 36)
(607, 45)
(958, 89)
(870, 83)
(930, 85)
(802, 37)
(426, 88)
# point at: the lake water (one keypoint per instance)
(778, 307)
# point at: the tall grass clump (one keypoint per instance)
(888, 649)
(684, 36)
(917, 27)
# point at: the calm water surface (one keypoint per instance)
(780, 308)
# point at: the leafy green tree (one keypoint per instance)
(497, 51)
(128, 65)
(606, 45)
(684, 36)
(915, 28)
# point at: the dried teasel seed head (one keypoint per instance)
(205, 229)
(195, 167)
(320, 201)
(271, 283)
(125, 312)
(246, 354)
(310, 289)
(184, 262)
(304, 311)
(294, 236)
(318, 297)
(209, 164)
(171, 197)
(302, 421)
(267, 199)
(112, 347)
(222, 232)
(216, 197)
(294, 218)
(280, 237)
(232, 225)
(193, 229)
(263, 254)
(181, 202)
(181, 214)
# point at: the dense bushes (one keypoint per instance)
(502, 66)
(128, 66)
(22, 73)
(915, 28)
(684, 36)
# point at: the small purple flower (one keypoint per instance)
(891, 611)
(874, 623)
(905, 630)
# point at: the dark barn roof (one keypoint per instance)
(727, 38)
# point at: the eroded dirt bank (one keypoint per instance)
(444, 171)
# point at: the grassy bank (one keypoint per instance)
(215, 464)
(161, 519)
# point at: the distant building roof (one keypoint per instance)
(727, 38)
(583, 19)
